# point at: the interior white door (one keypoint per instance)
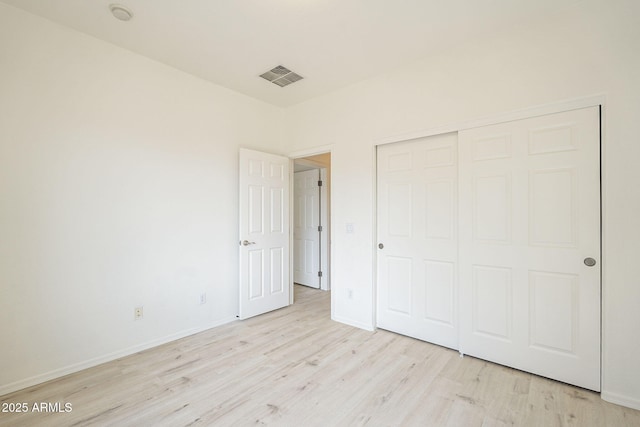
(417, 237)
(306, 234)
(264, 232)
(529, 234)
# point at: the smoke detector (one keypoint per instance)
(120, 12)
(281, 76)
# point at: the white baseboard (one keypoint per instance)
(354, 323)
(620, 399)
(76, 367)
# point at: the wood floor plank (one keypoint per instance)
(294, 367)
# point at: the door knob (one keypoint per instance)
(247, 243)
(589, 262)
(380, 246)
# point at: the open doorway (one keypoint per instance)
(311, 221)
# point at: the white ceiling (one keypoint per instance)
(331, 43)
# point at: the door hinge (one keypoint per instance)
(319, 228)
(319, 183)
(319, 273)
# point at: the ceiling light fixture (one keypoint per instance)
(121, 12)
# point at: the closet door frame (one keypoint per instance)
(552, 108)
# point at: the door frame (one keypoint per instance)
(540, 110)
(293, 156)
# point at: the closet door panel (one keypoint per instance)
(417, 228)
(529, 218)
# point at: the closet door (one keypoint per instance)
(417, 239)
(530, 245)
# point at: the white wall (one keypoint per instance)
(118, 188)
(593, 48)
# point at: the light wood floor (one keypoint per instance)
(296, 367)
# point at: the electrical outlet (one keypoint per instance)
(137, 313)
(350, 293)
(203, 298)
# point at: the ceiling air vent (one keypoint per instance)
(281, 76)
